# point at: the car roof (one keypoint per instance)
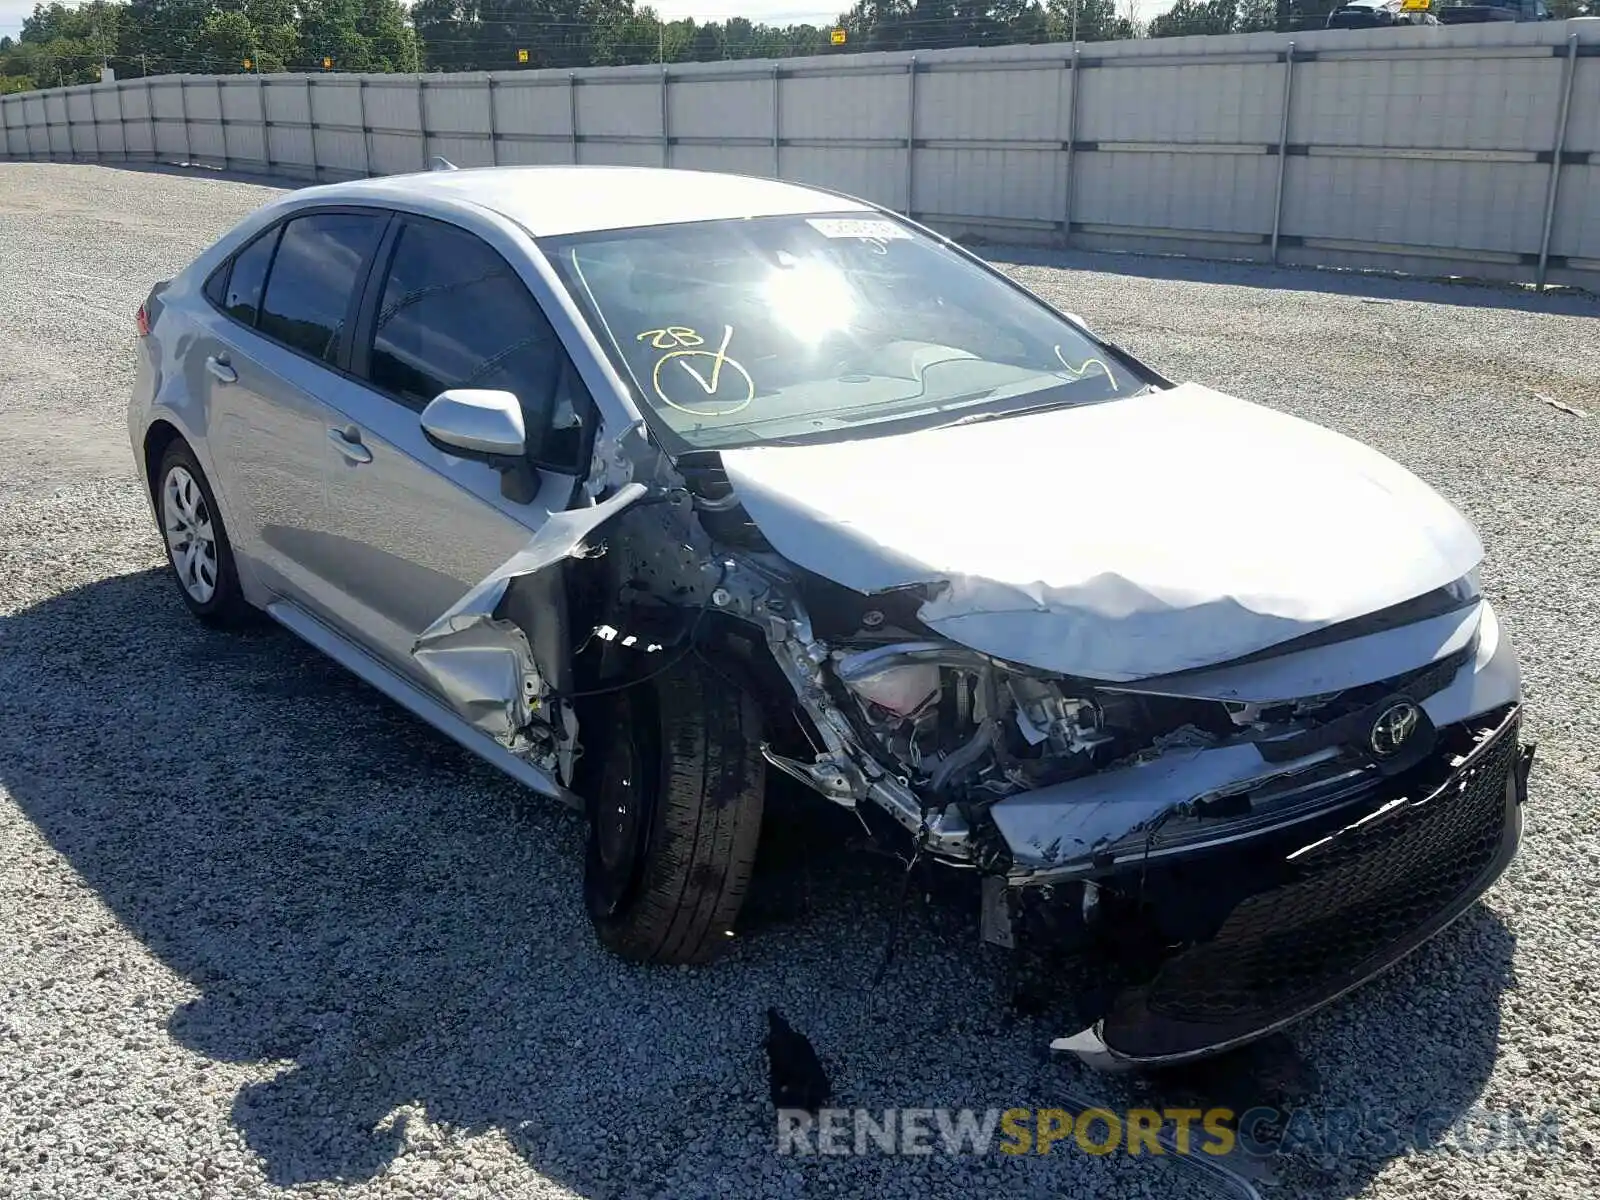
(551, 201)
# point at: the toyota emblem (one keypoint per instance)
(1394, 728)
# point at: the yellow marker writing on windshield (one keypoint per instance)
(671, 337)
(719, 359)
(1082, 369)
(716, 363)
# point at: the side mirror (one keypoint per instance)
(486, 426)
(476, 424)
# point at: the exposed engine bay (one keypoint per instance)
(952, 731)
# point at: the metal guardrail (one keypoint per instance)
(1159, 145)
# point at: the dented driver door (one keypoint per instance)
(417, 530)
(420, 527)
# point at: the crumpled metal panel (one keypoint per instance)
(482, 665)
(1334, 667)
(1141, 536)
(485, 668)
(1054, 825)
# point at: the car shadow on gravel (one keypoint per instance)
(392, 930)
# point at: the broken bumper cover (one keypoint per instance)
(1287, 922)
(1085, 825)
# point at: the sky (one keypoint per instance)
(11, 14)
(773, 12)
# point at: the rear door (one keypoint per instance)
(275, 345)
(418, 527)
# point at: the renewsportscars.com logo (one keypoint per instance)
(1258, 1132)
(1012, 1131)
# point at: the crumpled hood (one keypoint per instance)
(1116, 541)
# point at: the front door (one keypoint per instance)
(417, 527)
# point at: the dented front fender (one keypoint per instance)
(482, 663)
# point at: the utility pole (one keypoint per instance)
(1074, 22)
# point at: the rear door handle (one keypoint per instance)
(220, 368)
(348, 443)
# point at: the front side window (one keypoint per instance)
(320, 261)
(453, 314)
(819, 328)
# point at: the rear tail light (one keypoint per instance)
(151, 308)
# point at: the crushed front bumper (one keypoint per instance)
(1228, 944)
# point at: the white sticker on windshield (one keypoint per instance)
(846, 227)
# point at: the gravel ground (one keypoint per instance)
(261, 929)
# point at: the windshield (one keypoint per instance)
(817, 328)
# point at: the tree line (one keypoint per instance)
(62, 45)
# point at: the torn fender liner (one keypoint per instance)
(1141, 536)
(481, 663)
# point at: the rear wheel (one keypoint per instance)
(197, 543)
(674, 816)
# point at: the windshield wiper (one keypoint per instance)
(1028, 409)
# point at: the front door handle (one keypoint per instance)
(348, 443)
(220, 368)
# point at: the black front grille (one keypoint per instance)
(1349, 904)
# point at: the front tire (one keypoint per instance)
(198, 550)
(674, 816)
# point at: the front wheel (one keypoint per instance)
(674, 816)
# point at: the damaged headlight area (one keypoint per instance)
(1039, 776)
(1190, 872)
(962, 730)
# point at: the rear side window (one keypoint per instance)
(239, 292)
(319, 263)
(453, 314)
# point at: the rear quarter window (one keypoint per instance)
(235, 287)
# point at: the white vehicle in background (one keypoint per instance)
(1380, 14)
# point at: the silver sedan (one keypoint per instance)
(642, 484)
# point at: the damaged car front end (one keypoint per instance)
(1204, 869)
(1225, 757)
(1205, 854)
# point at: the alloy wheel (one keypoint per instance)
(191, 540)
